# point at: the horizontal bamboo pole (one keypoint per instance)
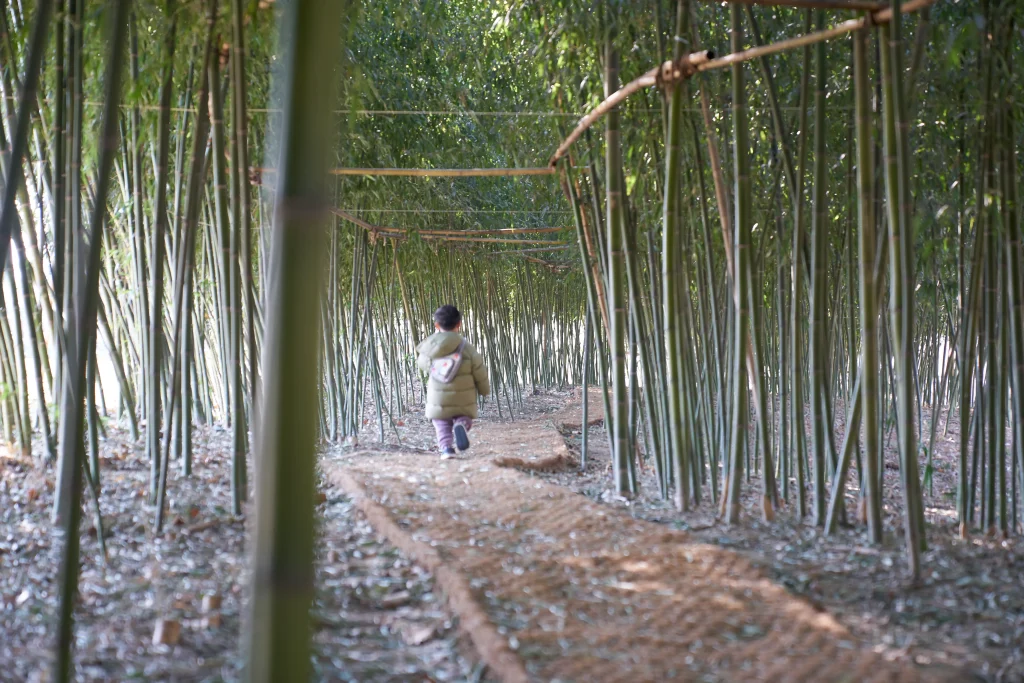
(450, 235)
(489, 212)
(512, 252)
(353, 219)
(864, 5)
(476, 233)
(555, 267)
(341, 213)
(671, 72)
(443, 172)
(483, 240)
(434, 172)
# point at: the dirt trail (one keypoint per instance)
(581, 591)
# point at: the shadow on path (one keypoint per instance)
(553, 587)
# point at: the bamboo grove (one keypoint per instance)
(847, 284)
(779, 266)
(852, 281)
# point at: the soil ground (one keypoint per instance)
(378, 616)
(558, 585)
(517, 538)
(967, 612)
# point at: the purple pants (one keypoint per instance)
(445, 439)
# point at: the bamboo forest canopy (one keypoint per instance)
(783, 238)
(499, 85)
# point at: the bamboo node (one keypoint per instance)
(672, 72)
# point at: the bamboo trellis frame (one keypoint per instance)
(670, 72)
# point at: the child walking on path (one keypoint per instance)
(452, 404)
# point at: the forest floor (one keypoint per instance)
(617, 589)
(966, 613)
(378, 616)
(484, 564)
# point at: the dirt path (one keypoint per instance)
(558, 588)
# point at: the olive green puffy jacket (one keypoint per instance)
(458, 398)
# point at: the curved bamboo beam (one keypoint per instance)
(670, 72)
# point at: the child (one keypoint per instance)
(452, 406)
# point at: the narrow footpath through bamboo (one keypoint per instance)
(551, 586)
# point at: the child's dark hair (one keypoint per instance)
(447, 317)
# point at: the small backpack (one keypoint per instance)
(445, 368)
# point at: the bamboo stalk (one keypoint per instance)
(156, 317)
(817, 339)
(278, 629)
(240, 184)
(19, 136)
(741, 330)
(184, 259)
(868, 304)
(617, 292)
(87, 313)
(900, 299)
(671, 331)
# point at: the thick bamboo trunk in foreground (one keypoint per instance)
(278, 628)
